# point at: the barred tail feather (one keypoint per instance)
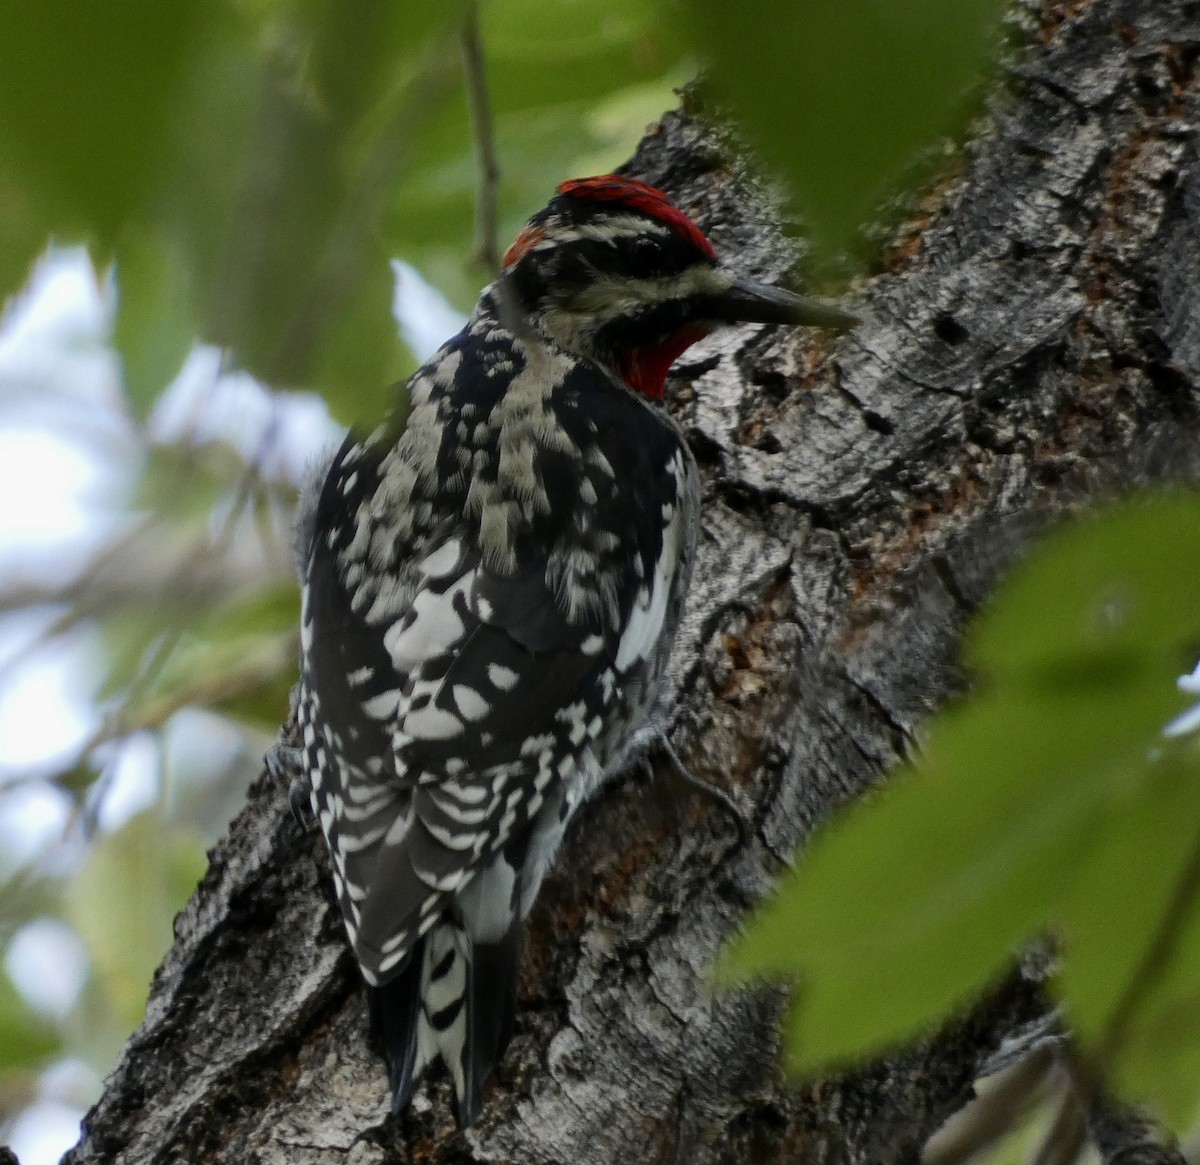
(491, 1012)
(455, 1000)
(395, 1012)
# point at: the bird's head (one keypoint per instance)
(613, 270)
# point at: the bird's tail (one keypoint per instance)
(454, 1000)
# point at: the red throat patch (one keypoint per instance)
(645, 369)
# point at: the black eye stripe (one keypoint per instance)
(640, 256)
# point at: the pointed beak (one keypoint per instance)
(748, 301)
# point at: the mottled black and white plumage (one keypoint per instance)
(491, 584)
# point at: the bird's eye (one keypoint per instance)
(646, 252)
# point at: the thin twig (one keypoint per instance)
(1121, 1134)
(723, 799)
(1154, 962)
(206, 692)
(997, 1109)
(487, 248)
(1068, 1130)
(1087, 1077)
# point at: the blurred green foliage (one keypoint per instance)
(843, 98)
(1046, 803)
(123, 903)
(249, 166)
(25, 1039)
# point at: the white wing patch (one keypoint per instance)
(442, 561)
(642, 632)
(502, 677)
(382, 707)
(430, 723)
(470, 703)
(430, 628)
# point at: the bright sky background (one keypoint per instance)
(68, 456)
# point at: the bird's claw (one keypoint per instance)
(285, 764)
(657, 739)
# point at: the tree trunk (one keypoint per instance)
(1032, 343)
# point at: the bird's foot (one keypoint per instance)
(652, 738)
(286, 766)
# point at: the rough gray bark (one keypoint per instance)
(1125, 1136)
(1033, 342)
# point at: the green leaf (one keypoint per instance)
(619, 121)
(238, 655)
(1139, 851)
(842, 96)
(26, 1041)
(363, 356)
(269, 610)
(1132, 943)
(133, 638)
(544, 54)
(156, 323)
(184, 483)
(22, 236)
(909, 905)
(237, 159)
(123, 903)
(1161, 1063)
(1112, 591)
(89, 94)
(953, 867)
(282, 198)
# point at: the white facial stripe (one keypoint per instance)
(605, 231)
(607, 297)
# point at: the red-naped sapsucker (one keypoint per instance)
(492, 581)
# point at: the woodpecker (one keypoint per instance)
(491, 584)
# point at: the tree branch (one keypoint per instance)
(487, 247)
